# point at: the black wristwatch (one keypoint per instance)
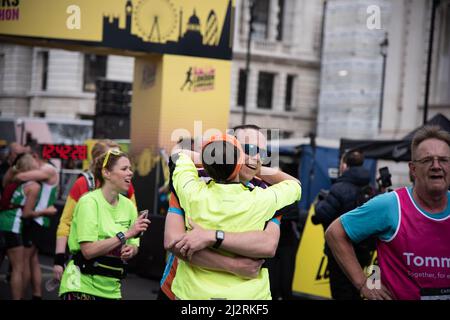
(220, 235)
(60, 259)
(121, 237)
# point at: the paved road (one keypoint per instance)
(134, 287)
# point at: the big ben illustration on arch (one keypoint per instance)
(171, 26)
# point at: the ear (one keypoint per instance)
(105, 173)
(342, 167)
(412, 169)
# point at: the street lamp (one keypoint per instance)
(434, 6)
(383, 51)
(251, 7)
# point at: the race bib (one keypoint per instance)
(435, 294)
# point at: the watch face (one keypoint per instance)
(220, 235)
(121, 237)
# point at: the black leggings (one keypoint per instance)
(81, 296)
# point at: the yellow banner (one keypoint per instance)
(196, 97)
(184, 27)
(173, 96)
(311, 276)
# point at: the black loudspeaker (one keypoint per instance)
(112, 97)
(108, 85)
(111, 127)
(113, 108)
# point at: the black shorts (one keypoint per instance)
(9, 240)
(32, 233)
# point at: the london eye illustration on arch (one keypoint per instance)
(191, 42)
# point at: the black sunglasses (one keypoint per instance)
(252, 150)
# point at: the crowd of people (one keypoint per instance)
(29, 188)
(223, 223)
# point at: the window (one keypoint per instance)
(39, 114)
(286, 134)
(276, 134)
(261, 19)
(265, 90)
(86, 116)
(2, 69)
(242, 88)
(288, 96)
(94, 67)
(280, 20)
(43, 61)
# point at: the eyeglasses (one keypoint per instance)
(428, 161)
(110, 151)
(252, 150)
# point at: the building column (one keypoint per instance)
(279, 91)
(273, 20)
(16, 80)
(440, 72)
(304, 25)
(245, 20)
(252, 88)
(394, 80)
(236, 26)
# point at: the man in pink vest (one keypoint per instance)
(412, 227)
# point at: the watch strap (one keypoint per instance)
(220, 235)
(121, 237)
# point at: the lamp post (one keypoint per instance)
(434, 7)
(383, 51)
(251, 6)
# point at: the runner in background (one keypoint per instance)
(48, 177)
(22, 206)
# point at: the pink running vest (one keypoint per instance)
(415, 264)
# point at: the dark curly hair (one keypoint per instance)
(353, 158)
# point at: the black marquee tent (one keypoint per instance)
(397, 150)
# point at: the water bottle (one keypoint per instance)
(51, 284)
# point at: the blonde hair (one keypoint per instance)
(100, 148)
(24, 162)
